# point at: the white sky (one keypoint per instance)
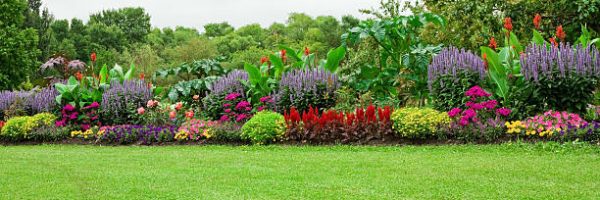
(196, 13)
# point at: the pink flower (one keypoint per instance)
(261, 108)
(196, 97)
(228, 110)
(477, 106)
(469, 113)
(85, 127)
(60, 123)
(240, 117)
(172, 115)
(189, 114)
(232, 96)
(454, 112)
(94, 105)
(224, 118)
(151, 103)
(266, 99)
(243, 105)
(68, 108)
(226, 105)
(491, 104)
(463, 121)
(141, 110)
(178, 106)
(476, 91)
(503, 111)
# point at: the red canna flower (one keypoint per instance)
(508, 24)
(485, 62)
(142, 76)
(79, 76)
(536, 21)
(560, 33)
(493, 43)
(93, 57)
(553, 42)
(306, 51)
(283, 52)
(263, 60)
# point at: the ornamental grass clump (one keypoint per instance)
(563, 77)
(452, 72)
(480, 119)
(265, 127)
(362, 125)
(302, 88)
(419, 123)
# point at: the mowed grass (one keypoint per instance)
(514, 171)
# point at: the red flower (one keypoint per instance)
(553, 42)
(508, 24)
(263, 60)
(283, 52)
(189, 114)
(306, 51)
(493, 43)
(79, 76)
(370, 114)
(485, 62)
(93, 57)
(536, 21)
(560, 33)
(142, 76)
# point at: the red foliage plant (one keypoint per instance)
(333, 126)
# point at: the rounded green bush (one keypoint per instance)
(264, 127)
(418, 122)
(19, 128)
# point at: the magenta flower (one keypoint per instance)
(242, 105)
(469, 113)
(232, 96)
(504, 111)
(261, 108)
(454, 112)
(224, 118)
(266, 99)
(491, 104)
(241, 117)
(228, 110)
(226, 105)
(68, 108)
(463, 121)
(94, 105)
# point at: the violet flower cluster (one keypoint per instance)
(146, 134)
(296, 86)
(230, 83)
(132, 93)
(43, 101)
(454, 61)
(8, 98)
(558, 62)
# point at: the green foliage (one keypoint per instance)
(20, 128)
(217, 29)
(18, 46)
(447, 91)
(204, 71)
(419, 123)
(133, 22)
(260, 82)
(226, 132)
(51, 133)
(76, 94)
(264, 127)
(570, 93)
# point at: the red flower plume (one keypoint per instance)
(283, 52)
(508, 24)
(93, 56)
(493, 43)
(536, 21)
(560, 33)
(306, 51)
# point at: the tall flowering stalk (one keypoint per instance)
(538, 61)
(302, 88)
(452, 61)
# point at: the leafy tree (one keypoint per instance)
(194, 49)
(217, 29)
(133, 22)
(18, 46)
(233, 42)
(298, 25)
(103, 36)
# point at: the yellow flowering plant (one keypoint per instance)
(419, 122)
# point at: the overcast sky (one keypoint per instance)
(196, 13)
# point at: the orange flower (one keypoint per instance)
(560, 33)
(306, 51)
(263, 60)
(485, 62)
(283, 52)
(178, 106)
(79, 76)
(536, 21)
(493, 43)
(553, 42)
(93, 56)
(142, 76)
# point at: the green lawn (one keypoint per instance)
(514, 171)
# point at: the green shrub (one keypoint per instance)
(20, 128)
(51, 133)
(264, 127)
(419, 122)
(226, 132)
(451, 94)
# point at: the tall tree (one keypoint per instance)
(217, 29)
(134, 22)
(18, 45)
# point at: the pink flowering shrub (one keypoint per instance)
(195, 130)
(480, 118)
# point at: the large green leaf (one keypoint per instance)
(514, 42)
(130, 72)
(334, 57)
(497, 71)
(291, 53)
(538, 38)
(104, 75)
(277, 65)
(254, 75)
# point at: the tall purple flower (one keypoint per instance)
(538, 61)
(303, 87)
(122, 99)
(454, 61)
